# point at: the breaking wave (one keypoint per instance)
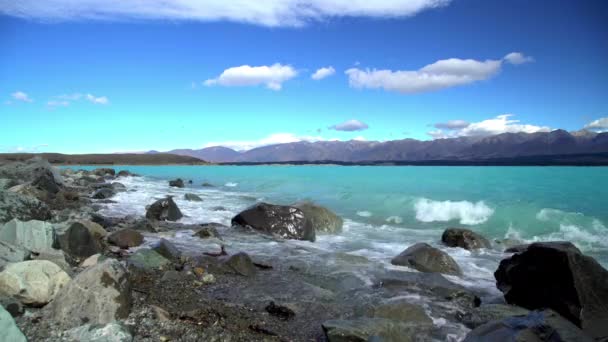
(464, 211)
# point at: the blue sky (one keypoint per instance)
(105, 77)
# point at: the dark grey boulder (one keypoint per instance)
(22, 207)
(279, 220)
(538, 326)
(126, 238)
(556, 275)
(118, 187)
(241, 264)
(79, 242)
(209, 230)
(178, 183)
(167, 249)
(425, 258)
(103, 193)
(464, 238)
(322, 219)
(164, 210)
(192, 198)
(46, 182)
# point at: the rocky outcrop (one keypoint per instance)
(556, 275)
(10, 331)
(464, 238)
(178, 183)
(279, 220)
(425, 258)
(535, 327)
(36, 236)
(192, 198)
(99, 295)
(22, 207)
(126, 238)
(322, 219)
(33, 282)
(164, 210)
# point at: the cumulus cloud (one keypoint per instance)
(271, 76)
(350, 126)
(323, 72)
(65, 99)
(21, 96)
(443, 74)
(517, 58)
(266, 13)
(273, 139)
(497, 125)
(452, 124)
(599, 125)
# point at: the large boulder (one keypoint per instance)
(178, 183)
(283, 221)
(11, 253)
(425, 258)
(556, 275)
(22, 207)
(98, 295)
(126, 238)
(111, 332)
(33, 282)
(538, 326)
(322, 219)
(464, 238)
(9, 329)
(81, 240)
(164, 210)
(37, 236)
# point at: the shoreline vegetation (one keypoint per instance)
(590, 159)
(69, 273)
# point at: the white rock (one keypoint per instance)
(33, 282)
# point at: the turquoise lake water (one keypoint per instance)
(527, 203)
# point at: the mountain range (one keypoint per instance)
(502, 146)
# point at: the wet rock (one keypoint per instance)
(164, 210)
(111, 332)
(322, 219)
(126, 238)
(33, 282)
(208, 231)
(11, 253)
(103, 193)
(192, 198)
(399, 310)
(124, 173)
(13, 306)
(517, 248)
(219, 208)
(241, 264)
(425, 258)
(10, 331)
(280, 311)
(147, 260)
(490, 312)
(178, 183)
(100, 294)
(374, 329)
(118, 187)
(168, 250)
(464, 238)
(22, 207)
(283, 221)
(103, 171)
(207, 185)
(36, 236)
(537, 326)
(81, 240)
(556, 275)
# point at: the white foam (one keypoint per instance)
(394, 219)
(231, 184)
(364, 213)
(467, 212)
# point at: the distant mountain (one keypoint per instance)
(501, 146)
(106, 159)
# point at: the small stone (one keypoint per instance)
(208, 278)
(199, 271)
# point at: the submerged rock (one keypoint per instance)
(284, 221)
(22, 207)
(464, 238)
(10, 331)
(322, 219)
(535, 327)
(192, 198)
(556, 275)
(425, 258)
(126, 238)
(178, 183)
(99, 295)
(164, 210)
(490, 312)
(33, 282)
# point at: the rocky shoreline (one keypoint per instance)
(69, 273)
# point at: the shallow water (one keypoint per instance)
(387, 209)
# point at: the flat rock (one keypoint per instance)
(33, 282)
(192, 197)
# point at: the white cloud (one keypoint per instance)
(599, 125)
(350, 126)
(323, 72)
(21, 96)
(517, 58)
(97, 100)
(273, 139)
(452, 124)
(440, 75)
(267, 12)
(271, 76)
(65, 99)
(497, 125)
(58, 103)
